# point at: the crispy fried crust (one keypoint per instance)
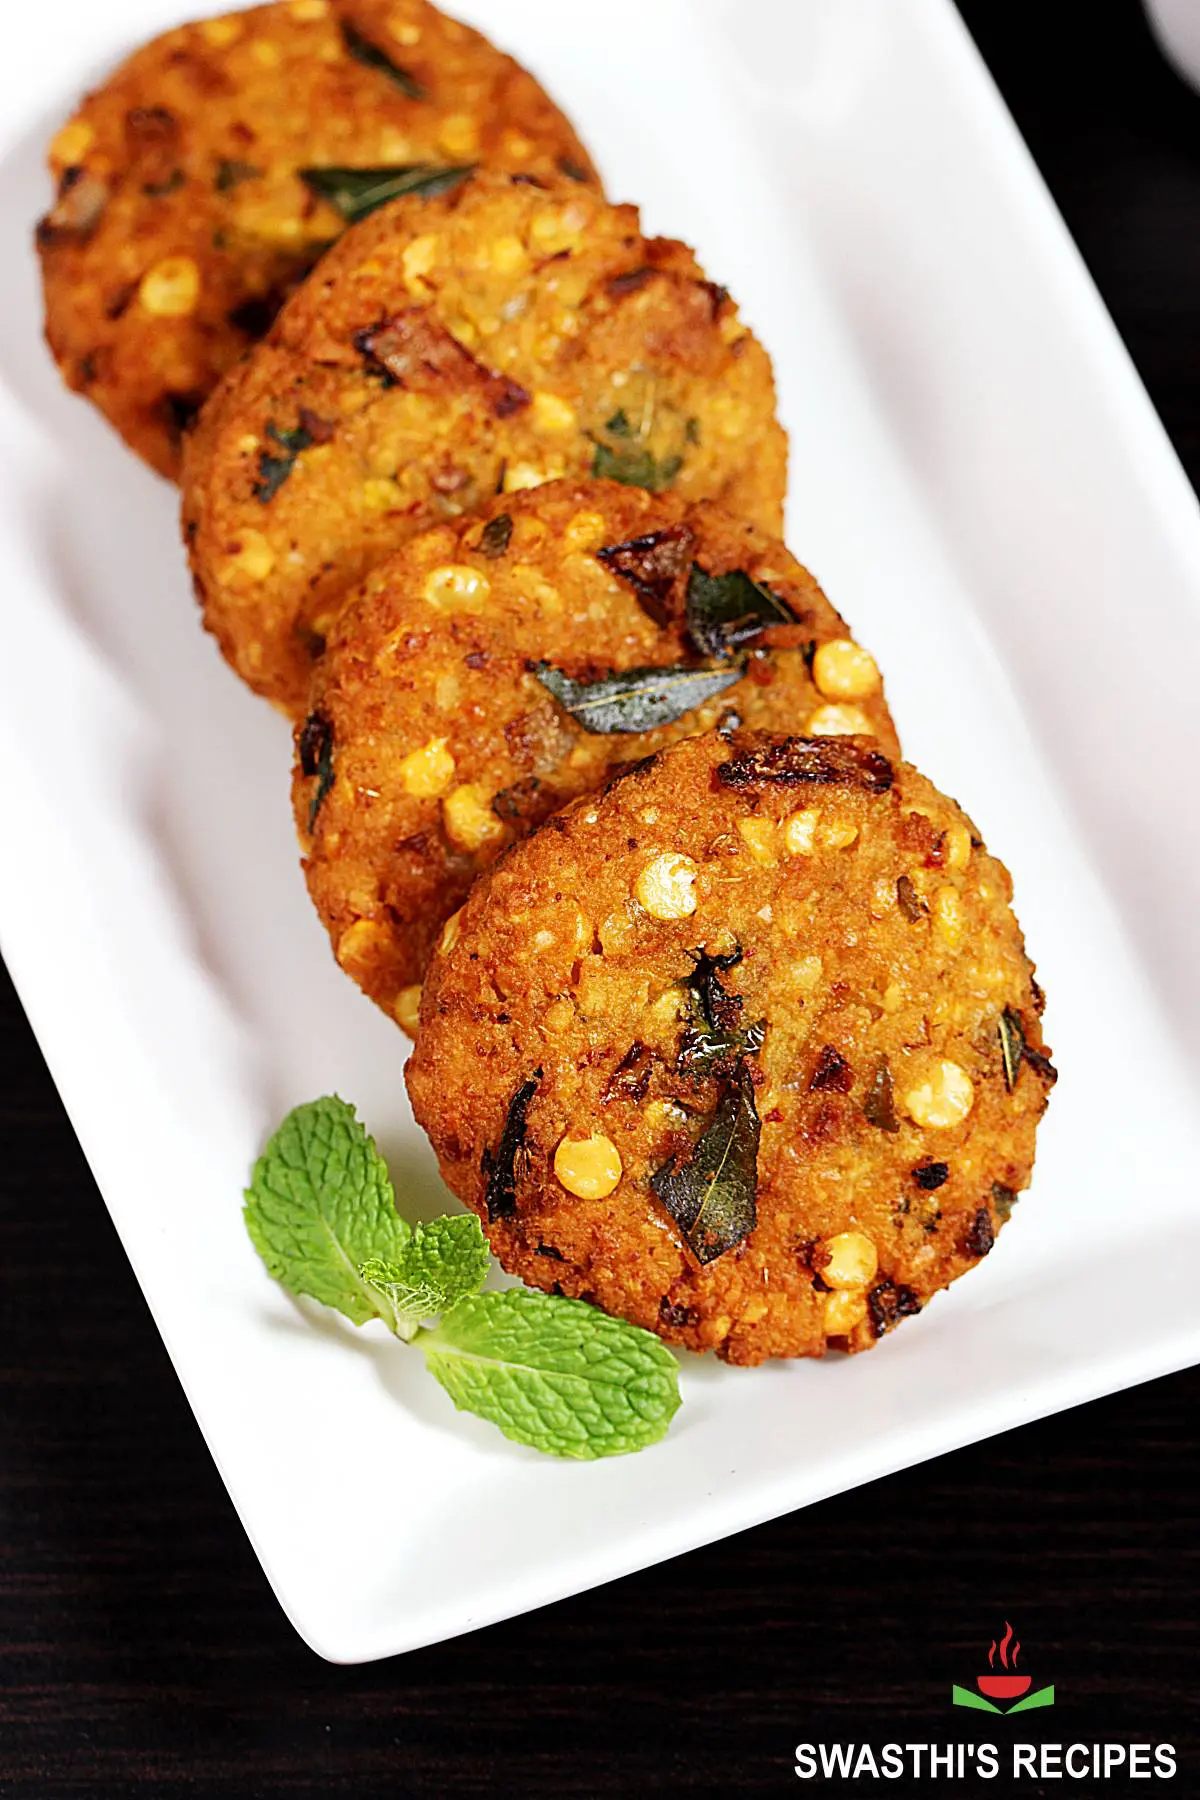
(872, 964)
(191, 150)
(447, 349)
(429, 683)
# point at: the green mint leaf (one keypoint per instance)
(372, 57)
(356, 192)
(636, 699)
(555, 1374)
(442, 1263)
(320, 1204)
(712, 1195)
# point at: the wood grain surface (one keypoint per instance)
(141, 1652)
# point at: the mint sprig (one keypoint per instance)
(442, 1263)
(549, 1372)
(320, 1204)
(555, 1373)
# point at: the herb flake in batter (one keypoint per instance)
(635, 468)
(274, 469)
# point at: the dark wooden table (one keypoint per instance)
(140, 1649)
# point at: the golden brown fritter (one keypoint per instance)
(183, 215)
(486, 340)
(747, 1050)
(441, 728)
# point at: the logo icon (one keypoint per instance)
(1004, 1684)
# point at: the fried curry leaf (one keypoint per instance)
(636, 699)
(879, 1106)
(653, 565)
(888, 1303)
(635, 468)
(1012, 1045)
(1014, 1050)
(230, 173)
(500, 1167)
(797, 762)
(1003, 1199)
(725, 611)
(715, 1037)
(909, 901)
(372, 57)
(316, 758)
(712, 1196)
(356, 192)
(496, 535)
(273, 469)
(833, 1074)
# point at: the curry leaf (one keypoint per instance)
(724, 611)
(372, 57)
(797, 762)
(879, 1106)
(496, 535)
(1015, 1049)
(316, 758)
(500, 1168)
(712, 1196)
(274, 469)
(1012, 1045)
(636, 699)
(356, 192)
(653, 565)
(231, 173)
(635, 468)
(716, 1035)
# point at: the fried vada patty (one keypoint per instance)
(201, 182)
(747, 1050)
(496, 667)
(486, 340)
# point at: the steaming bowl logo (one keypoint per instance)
(1007, 1684)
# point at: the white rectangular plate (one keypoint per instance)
(979, 481)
